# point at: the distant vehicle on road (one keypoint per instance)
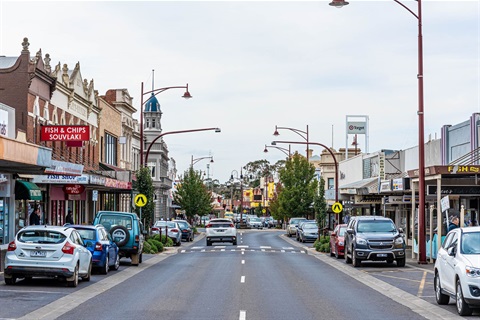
(457, 270)
(308, 231)
(171, 227)
(186, 229)
(254, 222)
(292, 226)
(221, 230)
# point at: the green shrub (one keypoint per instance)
(152, 245)
(157, 244)
(322, 244)
(194, 229)
(147, 248)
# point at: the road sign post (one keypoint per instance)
(140, 201)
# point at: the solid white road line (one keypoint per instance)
(243, 315)
(242, 279)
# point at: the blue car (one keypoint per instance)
(100, 243)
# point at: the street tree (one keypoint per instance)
(299, 187)
(145, 186)
(192, 195)
(320, 206)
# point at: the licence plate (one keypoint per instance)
(221, 230)
(38, 253)
(382, 255)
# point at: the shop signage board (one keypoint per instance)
(65, 133)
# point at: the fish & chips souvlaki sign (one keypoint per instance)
(65, 133)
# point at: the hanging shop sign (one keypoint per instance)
(65, 133)
(73, 189)
(371, 199)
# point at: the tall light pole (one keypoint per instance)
(154, 92)
(176, 132)
(202, 158)
(301, 133)
(422, 256)
(284, 150)
(334, 160)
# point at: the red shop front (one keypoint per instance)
(67, 197)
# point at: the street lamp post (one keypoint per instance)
(284, 150)
(422, 257)
(334, 160)
(301, 133)
(202, 158)
(176, 132)
(154, 92)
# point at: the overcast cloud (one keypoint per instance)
(253, 65)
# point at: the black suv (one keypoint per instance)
(374, 238)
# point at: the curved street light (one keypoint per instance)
(301, 133)
(284, 150)
(176, 132)
(154, 92)
(422, 256)
(202, 158)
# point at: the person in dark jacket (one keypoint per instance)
(454, 223)
(35, 217)
(69, 217)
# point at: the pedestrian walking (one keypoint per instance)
(69, 217)
(454, 223)
(35, 217)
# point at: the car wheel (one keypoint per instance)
(122, 231)
(401, 262)
(356, 263)
(439, 296)
(234, 242)
(89, 273)
(140, 258)
(347, 258)
(104, 269)
(208, 243)
(74, 281)
(135, 259)
(332, 253)
(116, 265)
(462, 307)
(179, 242)
(193, 236)
(10, 281)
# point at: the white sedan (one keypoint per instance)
(48, 251)
(221, 230)
(457, 270)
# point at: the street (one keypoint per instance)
(266, 276)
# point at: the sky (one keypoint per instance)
(252, 65)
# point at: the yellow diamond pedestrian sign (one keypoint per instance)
(337, 207)
(140, 200)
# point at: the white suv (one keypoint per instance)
(221, 230)
(457, 270)
(51, 251)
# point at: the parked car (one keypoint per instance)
(292, 226)
(373, 238)
(99, 242)
(299, 226)
(337, 241)
(221, 230)
(254, 222)
(204, 220)
(186, 229)
(172, 228)
(127, 232)
(47, 251)
(309, 231)
(457, 270)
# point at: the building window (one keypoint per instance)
(110, 149)
(152, 166)
(153, 123)
(331, 184)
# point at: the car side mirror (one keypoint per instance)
(400, 230)
(333, 234)
(350, 231)
(452, 251)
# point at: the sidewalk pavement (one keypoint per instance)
(429, 266)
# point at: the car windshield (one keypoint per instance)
(41, 236)
(182, 224)
(87, 234)
(376, 226)
(341, 231)
(221, 225)
(471, 243)
(162, 224)
(255, 220)
(310, 225)
(295, 221)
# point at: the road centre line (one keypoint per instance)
(243, 261)
(71, 301)
(243, 315)
(242, 279)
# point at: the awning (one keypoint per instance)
(358, 187)
(25, 190)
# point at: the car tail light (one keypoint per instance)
(68, 248)
(184, 230)
(231, 225)
(209, 225)
(137, 238)
(98, 246)
(155, 229)
(12, 246)
(174, 230)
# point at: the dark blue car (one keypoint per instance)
(100, 243)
